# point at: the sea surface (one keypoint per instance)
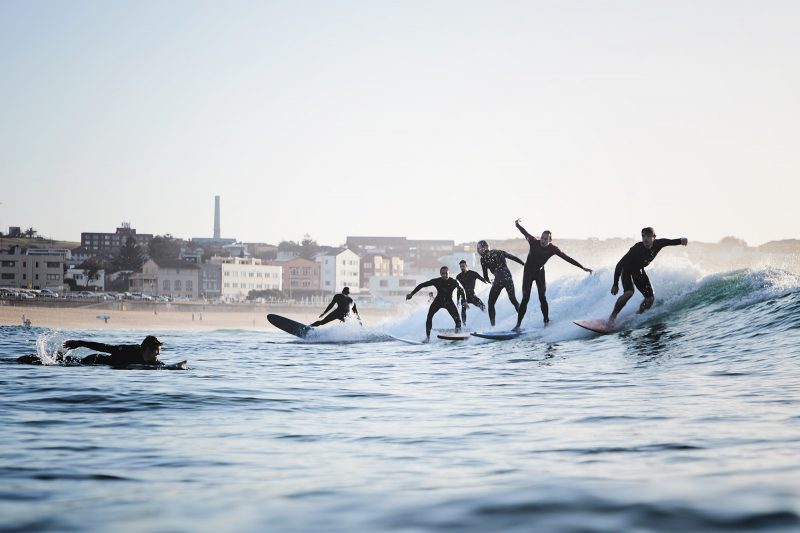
(688, 419)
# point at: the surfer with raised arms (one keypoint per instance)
(495, 261)
(541, 250)
(444, 285)
(467, 279)
(631, 269)
(343, 304)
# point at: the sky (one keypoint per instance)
(425, 119)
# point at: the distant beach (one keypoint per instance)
(161, 317)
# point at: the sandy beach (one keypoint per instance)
(159, 318)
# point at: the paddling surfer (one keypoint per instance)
(541, 250)
(631, 270)
(444, 285)
(116, 355)
(495, 261)
(343, 304)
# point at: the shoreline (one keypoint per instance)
(157, 318)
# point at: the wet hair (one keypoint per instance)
(462, 262)
(648, 231)
(445, 268)
(548, 233)
(483, 244)
(151, 342)
(346, 290)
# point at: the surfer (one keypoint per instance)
(467, 279)
(145, 353)
(631, 269)
(444, 285)
(541, 250)
(343, 304)
(119, 355)
(495, 261)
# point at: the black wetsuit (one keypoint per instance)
(495, 261)
(443, 299)
(343, 304)
(534, 271)
(118, 355)
(631, 266)
(467, 280)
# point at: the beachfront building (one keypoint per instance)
(240, 275)
(167, 277)
(32, 269)
(83, 280)
(96, 243)
(376, 264)
(211, 280)
(301, 277)
(394, 288)
(339, 268)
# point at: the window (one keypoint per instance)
(189, 285)
(307, 271)
(295, 283)
(53, 277)
(53, 264)
(384, 283)
(165, 286)
(7, 275)
(8, 263)
(177, 284)
(306, 283)
(37, 264)
(407, 283)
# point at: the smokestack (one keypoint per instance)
(216, 217)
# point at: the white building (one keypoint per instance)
(82, 281)
(167, 277)
(394, 288)
(338, 269)
(240, 275)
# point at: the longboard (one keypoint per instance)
(598, 326)
(453, 336)
(499, 335)
(407, 341)
(289, 326)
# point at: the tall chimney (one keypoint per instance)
(216, 217)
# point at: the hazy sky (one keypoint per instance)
(429, 119)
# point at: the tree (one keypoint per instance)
(91, 267)
(308, 247)
(30, 233)
(165, 247)
(130, 256)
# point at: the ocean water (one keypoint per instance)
(687, 419)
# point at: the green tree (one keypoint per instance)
(165, 247)
(92, 268)
(130, 256)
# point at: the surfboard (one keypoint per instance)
(289, 326)
(597, 326)
(407, 341)
(453, 336)
(498, 335)
(181, 365)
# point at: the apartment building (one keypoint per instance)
(32, 269)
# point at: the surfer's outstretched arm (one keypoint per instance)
(515, 258)
(572, 261)
(97, 346)
(522, 230)
(417, 289)
(330, 305)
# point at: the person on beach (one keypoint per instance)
(118, 355)
(541, 250)
(444, 285)
(467, 279)
(343, 304)
(631, 269)
(495, 261)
